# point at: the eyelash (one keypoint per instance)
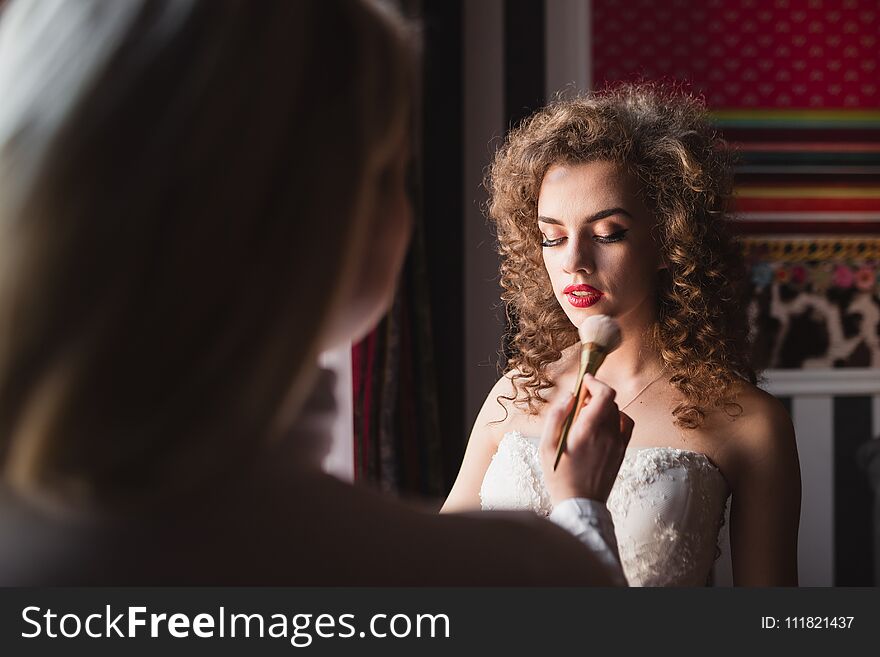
(601, 239)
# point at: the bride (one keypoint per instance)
(614, 203)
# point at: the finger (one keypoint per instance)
(582, 397)
(593, 419)
(600, 405)
(553, 425)
(595, 387)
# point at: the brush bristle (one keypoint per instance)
(600, 329)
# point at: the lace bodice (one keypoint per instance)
(668, 506)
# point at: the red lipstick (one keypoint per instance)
(582, 296)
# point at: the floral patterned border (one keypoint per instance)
(815, 264)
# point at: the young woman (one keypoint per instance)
(197, 197)
(614, 203)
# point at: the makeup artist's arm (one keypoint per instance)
(766, 499)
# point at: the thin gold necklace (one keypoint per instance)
(645, 388)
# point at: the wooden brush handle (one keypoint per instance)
(591, 359)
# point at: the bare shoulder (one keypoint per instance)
(764, 418)
(760, 409)
(499, 412)
(505, 409)
(494, 420)
(760, 434)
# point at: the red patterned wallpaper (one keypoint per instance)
(746, 53)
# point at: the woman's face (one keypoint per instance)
(370, 292)
(597, 244)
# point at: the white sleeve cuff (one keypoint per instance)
(590, 522)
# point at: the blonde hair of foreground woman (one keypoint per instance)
(190, 197)
(169, 174)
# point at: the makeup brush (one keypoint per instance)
(600, 335)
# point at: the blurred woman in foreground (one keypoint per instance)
(197, 197)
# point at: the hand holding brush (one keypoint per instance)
(600, 335)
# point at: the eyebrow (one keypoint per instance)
(599, 215)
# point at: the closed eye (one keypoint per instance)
(601, 239)
(613, 237)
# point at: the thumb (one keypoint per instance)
(626, 427)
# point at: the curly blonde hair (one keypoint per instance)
(660, 135)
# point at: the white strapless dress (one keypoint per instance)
(668, 507)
